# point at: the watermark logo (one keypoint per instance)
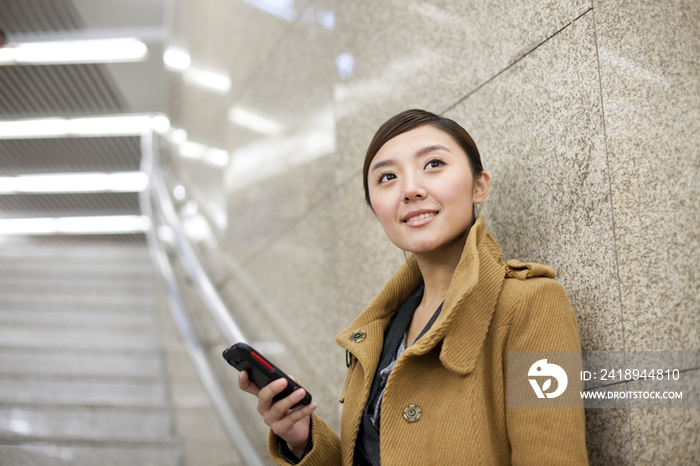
(603, 379)
(543, 369)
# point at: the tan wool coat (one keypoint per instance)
(456, 374)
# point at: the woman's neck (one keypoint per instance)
(437, 268)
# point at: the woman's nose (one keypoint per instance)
(413, 189)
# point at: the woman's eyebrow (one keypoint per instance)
(431, 148)
(381, 164)
(419, 152)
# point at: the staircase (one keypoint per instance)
(82, 374)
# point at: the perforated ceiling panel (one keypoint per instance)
(61, 91)
(37, 91)
(67, 205)
(69, 155)
(38, 15)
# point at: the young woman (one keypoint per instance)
(426, 380)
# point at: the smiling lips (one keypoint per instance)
(418, 219)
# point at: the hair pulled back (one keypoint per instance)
(410, 119)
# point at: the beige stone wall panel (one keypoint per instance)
(293, 170)
(539, 127)
(608, 437)
(430, 55)
(650, 72)
(665, 436)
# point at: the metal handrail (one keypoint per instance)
(157, 193)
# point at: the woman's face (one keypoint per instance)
(422, 191)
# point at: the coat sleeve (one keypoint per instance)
(325, 450)
(545, 321)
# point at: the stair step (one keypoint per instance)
(60, 453)
(83, 252)
(81, 423)
(136, 318)
(39, 303)
(85, 288)
(82, 373)
(84, 392)
(80, 363)
(61, 300)
(101, 271)
(104, 264)
(67, 337)
(66, 279)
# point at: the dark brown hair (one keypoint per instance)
(410, 119)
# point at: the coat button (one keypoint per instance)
(357, 336)
(411, 413)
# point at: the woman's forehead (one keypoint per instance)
(418, 141)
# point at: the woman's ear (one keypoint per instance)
(481, 188)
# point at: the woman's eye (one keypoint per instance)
(434, 163)
(386, 177)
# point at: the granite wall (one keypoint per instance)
(587, 116)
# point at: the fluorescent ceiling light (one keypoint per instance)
(211, 80)
(197, 229)
(108, 126)
(326, 18)
(116, 224)
(179, 60)
(74, 51)
(177, 135)
(176, 59)
(179, 192)
(191, 150)
(281, 8)
(117, 125)
(255, 120)
(210, 155)
(124, 182)
(270, 157)
(45, 127)
(160, 124)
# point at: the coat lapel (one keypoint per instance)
(465, 318)
(373, 320)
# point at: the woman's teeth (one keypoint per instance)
(422, 216)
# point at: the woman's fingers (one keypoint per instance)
(267, 393)
(291, 417)
(292, 425)
(245, 384)
(282, 407)
(285, 427)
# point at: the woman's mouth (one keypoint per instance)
(420, 219)
(422, 216)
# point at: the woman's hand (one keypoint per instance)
(292, 426)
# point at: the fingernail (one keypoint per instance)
(299, 394)
(279, 383)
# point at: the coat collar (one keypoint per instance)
(465, 317)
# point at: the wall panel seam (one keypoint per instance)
(612, 216)
(547, 39)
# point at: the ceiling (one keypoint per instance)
(33, 91)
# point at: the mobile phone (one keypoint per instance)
(261, 371)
